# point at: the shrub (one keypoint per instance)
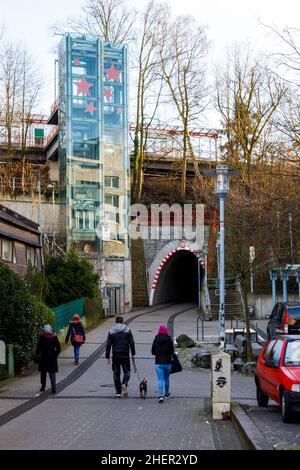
(70, 278)
(93, 310)
(22, 315)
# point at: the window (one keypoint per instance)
(274, 311)
(31, 258)
(112, 217)
(292, 354)
(7, 250)
(85, 220)
(276, 352)
(112, 200)
(269, 347)
(112, 182)
(280, 312)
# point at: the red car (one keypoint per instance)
(277, 374)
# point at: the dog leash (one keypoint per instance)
(135, 369)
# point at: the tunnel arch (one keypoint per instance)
(176, 277)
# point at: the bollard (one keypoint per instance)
(2, 353)
(10, 360)
(220, 385)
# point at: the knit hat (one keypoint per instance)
(163, 330)
(48, 329)
(76, 317)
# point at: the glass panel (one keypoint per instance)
(292, 354)
(7, 251)
(276, 352)
(269, 347)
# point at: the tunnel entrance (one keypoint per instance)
(178, 279)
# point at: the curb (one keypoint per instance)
(250, 436)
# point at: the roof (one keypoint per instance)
(288, 337)
(15, 218)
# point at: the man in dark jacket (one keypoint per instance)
(121, 341)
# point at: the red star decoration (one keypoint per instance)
(120, 110)
(90, 108)
(107, 92)
(112, 73)
(83, 87)
(76, 61)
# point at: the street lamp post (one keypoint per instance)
(221, 174)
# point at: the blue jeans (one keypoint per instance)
(163, 373)
(76, 352)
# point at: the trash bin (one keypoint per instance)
(220, 385)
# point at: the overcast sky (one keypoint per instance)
(228, 21)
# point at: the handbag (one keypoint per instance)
(78, 338)
(176, 366)
(37, 358)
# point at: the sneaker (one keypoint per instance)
(161, 399)
(53, 390)
(124, 391)
(118, 395)
(167, 396)
(76, 362)
(42, 389)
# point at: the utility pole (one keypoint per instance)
(291, 238)
(221, 174)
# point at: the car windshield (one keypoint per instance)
(294, 313)
(292, 354)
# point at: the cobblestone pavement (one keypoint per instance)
(84, 414)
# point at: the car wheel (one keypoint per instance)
(262, 399)
(285, 408)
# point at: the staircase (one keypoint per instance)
(233, 301)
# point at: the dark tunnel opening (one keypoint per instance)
(178, 279)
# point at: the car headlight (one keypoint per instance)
(296, 388)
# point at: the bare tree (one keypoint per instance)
(149, 85)
(247, 96)
(20, 84)
(111, 19)
(183, 49)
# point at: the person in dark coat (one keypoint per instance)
(121, 341)
(76, 328)
(48, 348)
(163, 350)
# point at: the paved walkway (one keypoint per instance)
(84, 415)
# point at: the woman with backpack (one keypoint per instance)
(47, 350)
(77, 333)
(163, 350)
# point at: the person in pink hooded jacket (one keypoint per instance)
(163, 350)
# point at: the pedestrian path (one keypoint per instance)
(84, 415)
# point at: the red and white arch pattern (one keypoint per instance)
(165, 259)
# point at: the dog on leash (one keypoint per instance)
(143, 389)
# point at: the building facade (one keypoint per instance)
(19, 241)
(93, 158)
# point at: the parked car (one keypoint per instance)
(284, 319)
(277, 374)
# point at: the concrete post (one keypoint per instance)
(298, 281)
(220, 385)
(10, 360)
(284, 279)
(273, 277)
